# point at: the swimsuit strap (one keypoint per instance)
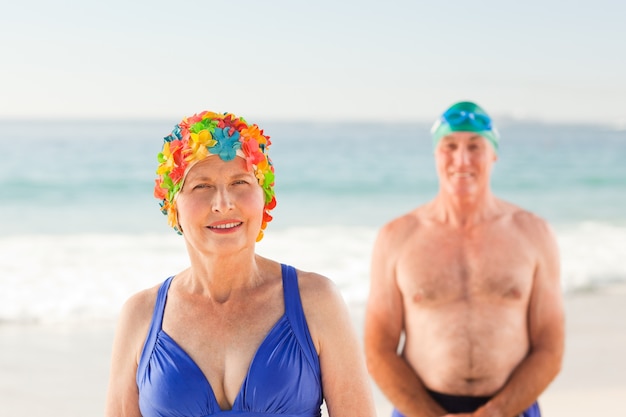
(295, 314)
(155, 327)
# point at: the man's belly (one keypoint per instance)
(466, 351)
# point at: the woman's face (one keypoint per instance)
(220, 206)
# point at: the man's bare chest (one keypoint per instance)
(452, 267)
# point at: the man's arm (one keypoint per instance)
(384, 323)
(546, 331)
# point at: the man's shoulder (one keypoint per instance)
(408, 226)
(525, 220)
(522, 215)
(407, 222)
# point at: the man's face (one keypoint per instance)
(464, 161)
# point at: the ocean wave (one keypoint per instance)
(60, 278)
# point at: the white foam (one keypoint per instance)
(592, 254)
(53, 278)
(56, 278)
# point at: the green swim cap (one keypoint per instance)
(465, 116)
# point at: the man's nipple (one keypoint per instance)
(513, 293)
(418, 296)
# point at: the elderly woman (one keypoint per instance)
(234, 333)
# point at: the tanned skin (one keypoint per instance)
(473, 284)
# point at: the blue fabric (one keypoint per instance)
(532, 411)
(283, 379)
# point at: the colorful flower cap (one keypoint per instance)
(202, 135)
(465, 116)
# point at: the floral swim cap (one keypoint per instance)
(202, 135)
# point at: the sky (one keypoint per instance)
(545, 60)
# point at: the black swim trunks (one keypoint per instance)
(465, 404)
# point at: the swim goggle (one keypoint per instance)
(455, 117)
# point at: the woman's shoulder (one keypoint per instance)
(136, 313)
(314, 285)
(321, 297)
(141, 303)
(134, 320)
(326, 312)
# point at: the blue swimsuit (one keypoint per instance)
(283, 378)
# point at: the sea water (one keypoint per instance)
(80, 230)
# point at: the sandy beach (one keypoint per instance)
(62, 370)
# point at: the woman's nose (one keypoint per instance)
(222, 200)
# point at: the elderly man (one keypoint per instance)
(472, 282)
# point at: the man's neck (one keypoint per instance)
(464, 211)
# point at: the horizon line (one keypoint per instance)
(499, 120)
